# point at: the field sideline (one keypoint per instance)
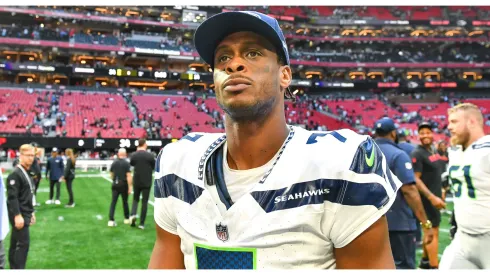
(79, 238)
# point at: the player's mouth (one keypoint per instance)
(236, 85)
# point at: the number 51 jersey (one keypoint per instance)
(323, 190)
(469, 175)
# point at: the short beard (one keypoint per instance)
(252, 113)
(462, 139)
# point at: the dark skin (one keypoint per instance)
(426, 139)
(255, 124)
(430, 250)
(412, 197)
(256, 129)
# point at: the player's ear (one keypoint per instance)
(285, 76)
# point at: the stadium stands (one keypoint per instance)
(338, 55)
(94, 107)
(19, 108)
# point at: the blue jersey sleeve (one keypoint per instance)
(404, 169)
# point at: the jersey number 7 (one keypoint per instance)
(457, 184)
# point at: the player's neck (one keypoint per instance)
(474, 137)
(251, 145)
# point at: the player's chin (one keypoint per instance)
(239, 101)
(455, 139)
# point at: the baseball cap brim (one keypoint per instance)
(212, 31)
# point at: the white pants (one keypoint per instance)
(467, 252)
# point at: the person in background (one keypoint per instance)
(442, 151)
(20, 204)
(403, 142)
(69, 175)
(121, 185)
(35, 170)
(55, 168)
(403, 215)
(428, 176)
(408, 148)
(4, 221)
(144, 163)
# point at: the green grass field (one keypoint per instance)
(81, 239)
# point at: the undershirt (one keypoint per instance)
(241, 182)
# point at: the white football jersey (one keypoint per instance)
(469, 175)
(323, 190)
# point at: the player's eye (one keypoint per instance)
(253, 54)
(223, 58)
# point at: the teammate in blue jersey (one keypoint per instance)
(267, 195)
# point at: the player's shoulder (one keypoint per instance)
(482, 143)
(189, 148)
(339, 148)
(331, 139)
(191, 143)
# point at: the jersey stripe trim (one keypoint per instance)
(318, 191)
(481, 145)
(174, 186)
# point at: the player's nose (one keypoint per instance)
(235, 65)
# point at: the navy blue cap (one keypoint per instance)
(385, 124)
(213, 30)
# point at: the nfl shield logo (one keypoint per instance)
(222, 232)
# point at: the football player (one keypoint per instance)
(266, 194)
(469, 176)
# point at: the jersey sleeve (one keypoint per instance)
(417, 161)
(163, 214)
(368, 193)
(404, 169)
